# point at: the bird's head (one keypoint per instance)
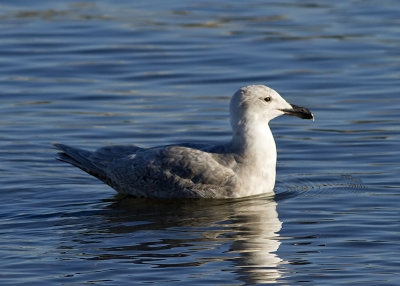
(261, 103)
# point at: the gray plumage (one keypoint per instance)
(181, 171)
(241, 167)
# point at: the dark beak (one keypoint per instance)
(299, 111)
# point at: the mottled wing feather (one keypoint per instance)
(172, 171)
(195, 165)
(104, 156)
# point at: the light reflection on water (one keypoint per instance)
(243, 233)
(150, 73)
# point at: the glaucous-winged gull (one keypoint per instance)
(244, 166)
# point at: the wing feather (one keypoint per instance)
(172, 171)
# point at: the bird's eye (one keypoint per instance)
(267, 99)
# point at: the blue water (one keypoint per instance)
(107, 72)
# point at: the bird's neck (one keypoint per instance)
(255, 152)
(255, 142)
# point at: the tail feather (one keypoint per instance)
(80, 158)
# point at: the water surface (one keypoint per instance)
(150, 72)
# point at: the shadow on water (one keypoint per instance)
(192, 235)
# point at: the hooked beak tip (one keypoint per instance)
(299, 111)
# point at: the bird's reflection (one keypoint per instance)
(243, 233)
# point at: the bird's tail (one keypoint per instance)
(79, 158)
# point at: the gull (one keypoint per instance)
(244, 166)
